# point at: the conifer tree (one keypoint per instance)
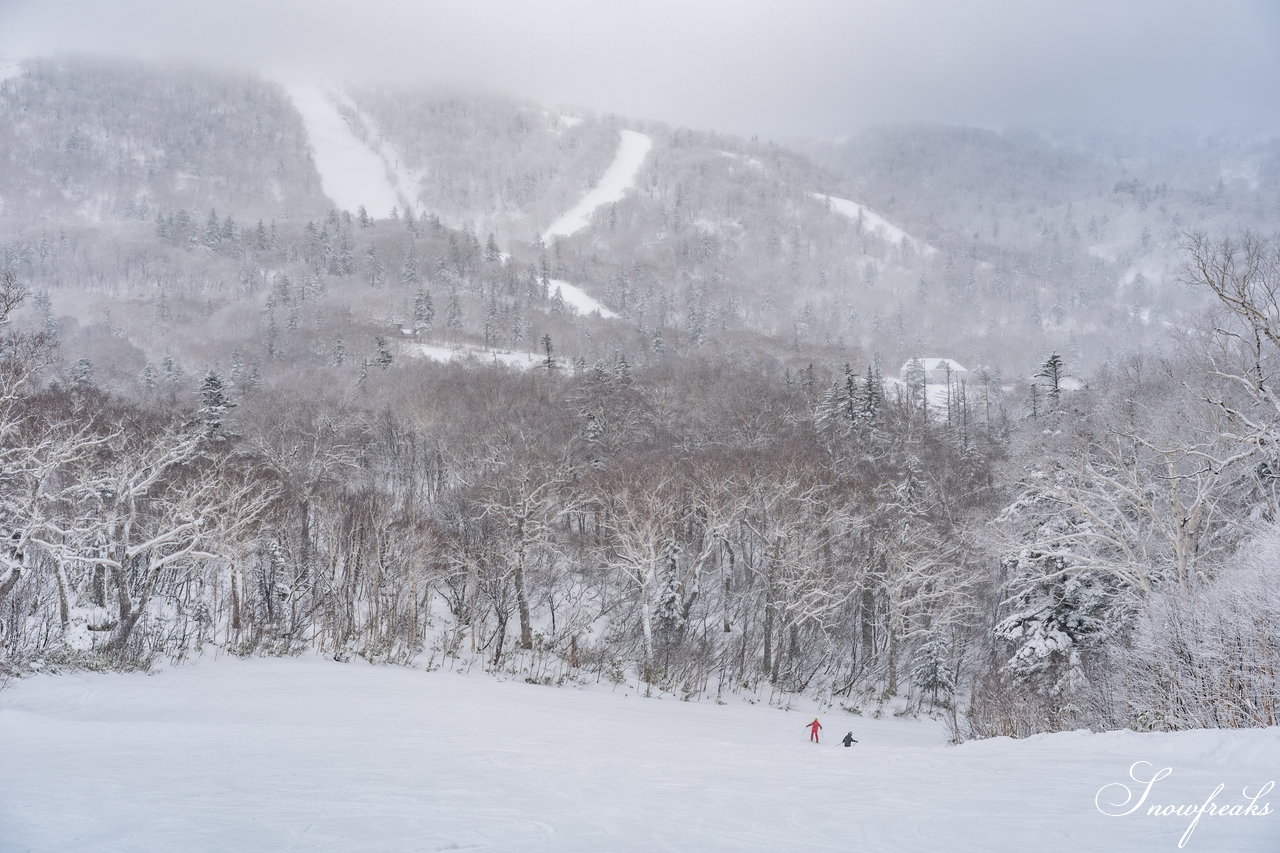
(424, 312)
(215, 401)
(1052, 372)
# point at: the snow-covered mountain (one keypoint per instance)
(386, 373)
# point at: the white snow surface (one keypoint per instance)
(577, 299)
(874, 222)
(741, 158)
(352, 173)
(471, 352)
(9, 70)
(311, 755)
(613, 184)
(404, 181)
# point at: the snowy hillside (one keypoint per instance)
(478, 354)
(617, 179)
(872, 221)
(9, 69)
(579, 300)
(352, 172)
(270, 755)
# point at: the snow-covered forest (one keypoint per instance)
(688, 442)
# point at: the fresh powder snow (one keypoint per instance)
(613, 185)
(307, 754)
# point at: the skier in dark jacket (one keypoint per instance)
(849, 739)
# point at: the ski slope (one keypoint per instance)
(471, 352)
(352, 173)
(578, 299)
(613, 184)
(310, 755)
(874, 222)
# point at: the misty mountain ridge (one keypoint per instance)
(1018, 242)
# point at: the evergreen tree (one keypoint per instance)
(237, 368)
(424, 312)
(215, 401)
(549, 361)
(48, 323)
(410, 270)
(1052, 372)
(917, 380)
(930, 671)
(81, 375)
(374, 267)
(384, 357)
(147, 379)
(828, 418)
(622, 372)
(171, 370)
(872, 399)
(492, 254)
(453, 313)
(253, 379)
(312, 287)
(344, 262)
(491, 323)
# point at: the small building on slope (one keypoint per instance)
(934, 370)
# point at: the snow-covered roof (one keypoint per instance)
(937, 364)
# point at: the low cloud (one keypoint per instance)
(779, 69)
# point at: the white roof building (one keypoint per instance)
(935, 369)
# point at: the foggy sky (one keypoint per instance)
(780, 69)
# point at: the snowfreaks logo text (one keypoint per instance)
(1118, 800)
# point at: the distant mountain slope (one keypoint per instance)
(353, 173)
(994, 248)
(502, 165)
(100, 139)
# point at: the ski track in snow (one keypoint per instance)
(307, 754)
(351, 172)
(874, 222)
(613, 184)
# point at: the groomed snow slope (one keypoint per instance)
(351, 173)
(275, 755)
(577, 299)
(613, 184)
(874, 222)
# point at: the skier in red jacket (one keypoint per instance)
(813, 729)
